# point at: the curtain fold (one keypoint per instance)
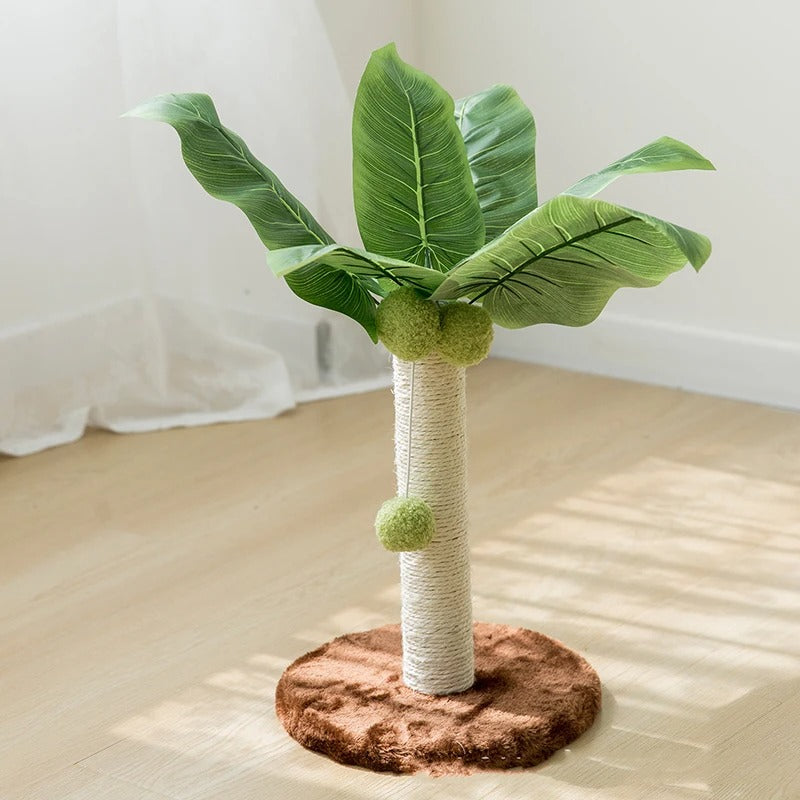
(130, 299)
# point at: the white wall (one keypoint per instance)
(604, 78)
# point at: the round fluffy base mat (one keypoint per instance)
(532, 696)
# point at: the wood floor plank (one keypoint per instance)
(78, 782)
(155, 586)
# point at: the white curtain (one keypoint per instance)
(130, 299)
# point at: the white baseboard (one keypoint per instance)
(711, 362)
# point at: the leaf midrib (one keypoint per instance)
(501, 280)
(423, 232)
(254, 165)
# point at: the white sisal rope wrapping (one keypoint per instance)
(431, 463)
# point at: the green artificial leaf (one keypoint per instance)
(662, 155)
(329, 287)
(227, 170)
(338, 291)
(358, 263)
(224, 166)
(562, 262)
(500, 136)
(413, 192)
(695, 246)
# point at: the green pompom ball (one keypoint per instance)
(408, 324)
(404, 524)
(466, 334)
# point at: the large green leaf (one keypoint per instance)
(412, 188)
(562, 262)
(334, 288)
(358, 263)
(224, 166)
(500, 136)
(662, 155)
(227, 170)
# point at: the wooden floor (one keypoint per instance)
(155, 586)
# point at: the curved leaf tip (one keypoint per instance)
(389, 49)
(177, 107)
(691, 156)
(662, 155)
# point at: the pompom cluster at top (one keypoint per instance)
(413, 327)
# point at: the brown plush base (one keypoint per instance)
(532, 696)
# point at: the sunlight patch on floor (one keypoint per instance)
(663, 575)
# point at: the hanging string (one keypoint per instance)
(410, 420)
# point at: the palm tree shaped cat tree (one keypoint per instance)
(454, 241)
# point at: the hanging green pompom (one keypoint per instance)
(404, 524)
(408, 324)
(466, 334)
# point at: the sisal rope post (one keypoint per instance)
(431, 463)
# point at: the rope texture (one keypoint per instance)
(431, 463)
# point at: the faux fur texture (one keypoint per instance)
(532, 696)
